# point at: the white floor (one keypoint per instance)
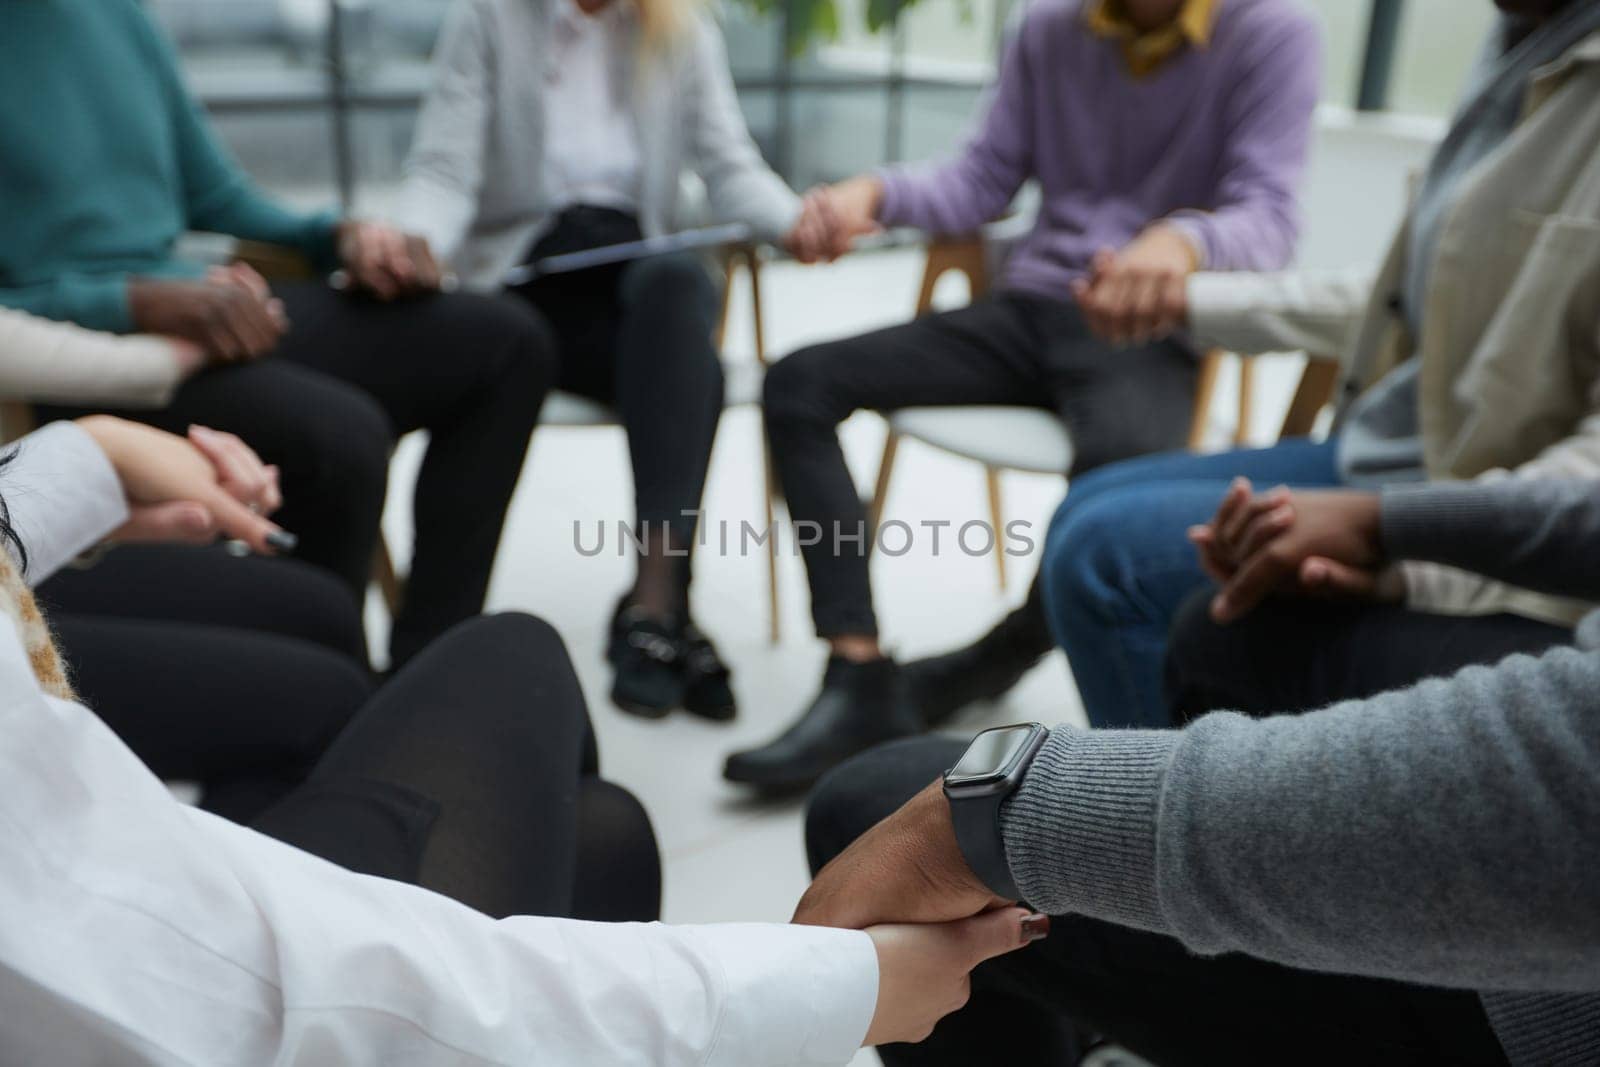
(728, 857)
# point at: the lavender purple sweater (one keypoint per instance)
(1215, 140)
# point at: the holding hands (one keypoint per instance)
(191, 490)
(1139, 294)
(385, 262)
(832, 217)
(229, 317)
(908, 871)
(1324, 543)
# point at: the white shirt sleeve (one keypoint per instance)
(62, 495)
(61, 363)
(139, 931)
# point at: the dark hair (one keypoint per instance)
(8, 532)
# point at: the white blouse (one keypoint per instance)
(141, 931)
(592, 149)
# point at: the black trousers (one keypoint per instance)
(639, 336)
(350, 376)
(1295, 655)
(1011, 348)
(1090, 979)
(472, 772)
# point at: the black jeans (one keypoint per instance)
(639, 335)
(1011, 348)
(1091, 979)
(350, 376)
(472, 772)
(1294, 655)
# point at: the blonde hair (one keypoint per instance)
(665, 21)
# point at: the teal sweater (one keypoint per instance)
(107, 160)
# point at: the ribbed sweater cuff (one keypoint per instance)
(1080, 833)
(1417, 521)
(1546, 1028)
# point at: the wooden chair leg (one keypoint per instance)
(997, 523)
(730, 266)
(880, 492)
(1204, 389)
(1317, 384)
(769, 493)
(1247, 400)
(753, 265)
(384, 575)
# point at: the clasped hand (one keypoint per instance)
(190, 489)
(931, 920)
(1322, 543)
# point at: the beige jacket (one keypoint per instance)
(1510, 382)
(59, 363)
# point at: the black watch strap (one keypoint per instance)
(977, 825)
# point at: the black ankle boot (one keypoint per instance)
(940, 686)
(860, 705)
(647, 655)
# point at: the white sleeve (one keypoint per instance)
(1297, 311)
(62, 495)
(139, 931)
(444, 170)
(61, 363)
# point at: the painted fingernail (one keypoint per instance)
(283, 540)
(1035, 927)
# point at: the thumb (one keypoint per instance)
(995, 933)
(176, 521)
(1332, 578)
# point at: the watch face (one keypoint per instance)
(990, 755)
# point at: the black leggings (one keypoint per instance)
(350, 376)
(1145, 991)
(640, 335)
(472, 772)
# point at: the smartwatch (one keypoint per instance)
(977, 785)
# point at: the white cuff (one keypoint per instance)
(794, 995)
(63, 496)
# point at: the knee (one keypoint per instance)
(323, 610)
(1087, 558)
(796, 389)
(676, 281)
(514, 636)
(348, 445)
(528, 356)
(860, 793)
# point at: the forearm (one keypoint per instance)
(56, 362)
(240, 210)
(95, 302)
(1414, 836)
(1541, 535)
(1302, 311)
(953, 198)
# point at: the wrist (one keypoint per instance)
(106, 432)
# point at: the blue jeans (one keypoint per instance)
(1117, 564)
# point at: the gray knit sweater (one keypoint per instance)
(1446, 834)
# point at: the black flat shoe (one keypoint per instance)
(860, 705)
(986, 670)
(707, 681)
(648, 658)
